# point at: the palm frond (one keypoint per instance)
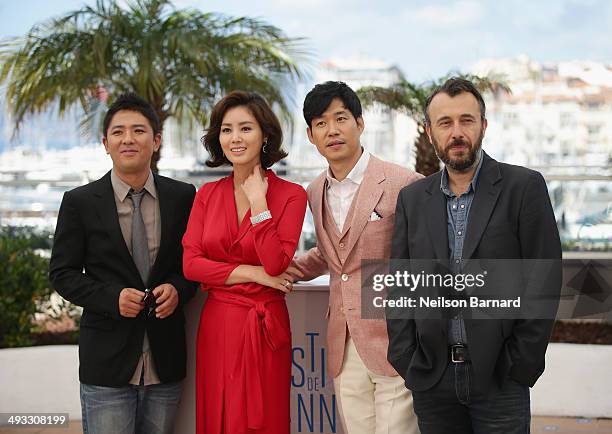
(181, 60)
(411, 99)
(397, 97)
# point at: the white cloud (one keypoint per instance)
(426, 38)
(300, 4)
(457, 13)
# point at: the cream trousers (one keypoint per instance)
(370, 403)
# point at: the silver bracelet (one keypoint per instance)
(262, 216)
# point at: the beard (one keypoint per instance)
(466, 159)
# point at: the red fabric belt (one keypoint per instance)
(260, 326)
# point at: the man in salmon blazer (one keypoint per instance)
(353, 205)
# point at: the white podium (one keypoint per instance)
(313, 403)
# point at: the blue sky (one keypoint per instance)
(425, 39)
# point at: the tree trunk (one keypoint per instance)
(427, 162)
(162, 115)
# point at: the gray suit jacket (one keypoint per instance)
(511, 217)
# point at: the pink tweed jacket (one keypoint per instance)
(367, 239)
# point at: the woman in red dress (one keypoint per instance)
(240, 239)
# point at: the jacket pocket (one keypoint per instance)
(96, 321)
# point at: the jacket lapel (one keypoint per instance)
(316, 207)
(435, 215)
(367, 198)
(107, 210)
(485, 198)
(167, 207)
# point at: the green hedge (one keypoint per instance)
(23, 282)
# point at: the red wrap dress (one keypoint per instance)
(244, 337)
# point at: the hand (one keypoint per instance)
(167, 300)
(255, 188)
(130, 302)
(282, 282)
(295, 272)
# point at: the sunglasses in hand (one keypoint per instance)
(149, 302)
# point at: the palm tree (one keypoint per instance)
(410, 98)
(181, 61)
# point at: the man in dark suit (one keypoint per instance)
(466, 374)
(117, 253)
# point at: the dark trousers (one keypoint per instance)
(449, 407)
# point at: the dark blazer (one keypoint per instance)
(91, 264)
(511, 217)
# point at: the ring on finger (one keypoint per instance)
(287, 284)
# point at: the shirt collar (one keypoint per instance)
(357, 172)
(121, 188)
(444, 178)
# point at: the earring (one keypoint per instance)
(263, 148)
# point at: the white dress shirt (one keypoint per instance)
(340, 194)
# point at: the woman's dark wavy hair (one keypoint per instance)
(267, 120)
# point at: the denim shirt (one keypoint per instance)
(457, 213)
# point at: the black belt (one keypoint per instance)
(459, 353)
